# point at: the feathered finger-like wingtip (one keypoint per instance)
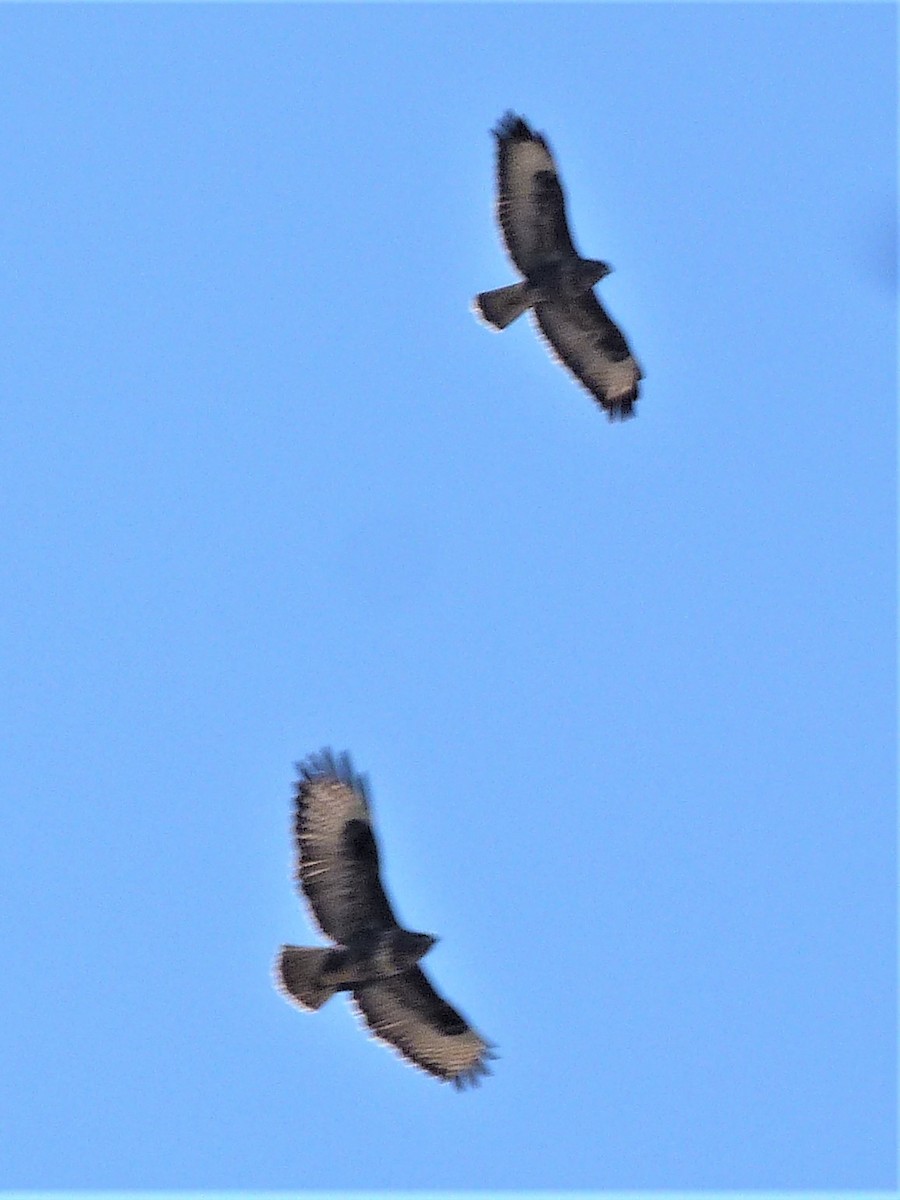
(511, 127)
(327, 765)
(621, 410)
(473, 1077)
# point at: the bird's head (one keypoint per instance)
(597, 270)
(409, 947)
(424, 942)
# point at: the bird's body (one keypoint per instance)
(558, 283)
(375, 959)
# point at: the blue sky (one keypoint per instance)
(625, 693)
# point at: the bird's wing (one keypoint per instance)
(407, 1013)
(531, 205)
(337, 856)
(582, 336)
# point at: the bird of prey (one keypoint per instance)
(558, 283)
(375, 959)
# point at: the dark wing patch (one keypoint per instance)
(549, 225)
(337, 855)
(584, 338)
(360, 842)
(531, 207)
(407, 1013)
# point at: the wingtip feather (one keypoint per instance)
(512, 127)
(325, 765)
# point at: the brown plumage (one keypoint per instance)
(558, 283)
(375, 959)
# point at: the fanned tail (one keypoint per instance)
(298, 976)
(502, 306)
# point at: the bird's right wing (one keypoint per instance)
(337, 856)
(585, 339)
(407, 1013)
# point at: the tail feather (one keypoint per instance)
(298, 971)
(500, 307)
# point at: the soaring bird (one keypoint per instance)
(375, 959)
(558, 283)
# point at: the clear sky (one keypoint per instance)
(625, 693)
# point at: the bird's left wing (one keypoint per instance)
(531, 205)
(585, 339)
(407, 1013)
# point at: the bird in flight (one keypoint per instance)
(558, 284)
(374, 958)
